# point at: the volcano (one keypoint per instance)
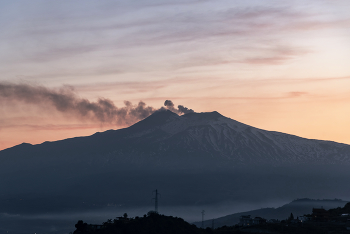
(166, 139)
(215, 159)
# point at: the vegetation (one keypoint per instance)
(340, 210)
(154, 223)
(281, 228)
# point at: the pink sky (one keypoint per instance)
(276, 65)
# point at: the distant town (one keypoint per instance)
(319, 221)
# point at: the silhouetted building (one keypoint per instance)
(305, 218)
(245, 220)
(258, 220)
(320, 215)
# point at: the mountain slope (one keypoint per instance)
(165, 137)
(195, 160)
(298, 207)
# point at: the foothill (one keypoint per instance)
(319, 221)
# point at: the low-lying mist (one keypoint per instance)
(64, 222)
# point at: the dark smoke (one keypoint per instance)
(66, 101)
(170, 106)
(184, 110)
(180, 109)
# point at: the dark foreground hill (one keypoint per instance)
(197, 161)
(337, 222)
(153, 223)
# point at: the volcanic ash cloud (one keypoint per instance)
(179, 110)
(66, 101)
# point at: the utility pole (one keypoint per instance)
(203, 218)
(156, 201)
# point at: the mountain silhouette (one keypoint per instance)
(298, 207)
(196, 160)
(165, 138)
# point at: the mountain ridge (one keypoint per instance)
(298, 207)
(198, 135)
(196, 160)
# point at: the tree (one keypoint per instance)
(125, 215)
(291, 217)
(80, 226)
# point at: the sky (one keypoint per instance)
(72, 68)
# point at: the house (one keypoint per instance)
(258, 220)
(245, 220)
(320, 215)
(304, 218)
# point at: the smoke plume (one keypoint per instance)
(66, 101)
(179, 110)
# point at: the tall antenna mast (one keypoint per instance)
(156, 201)
(203, 218)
